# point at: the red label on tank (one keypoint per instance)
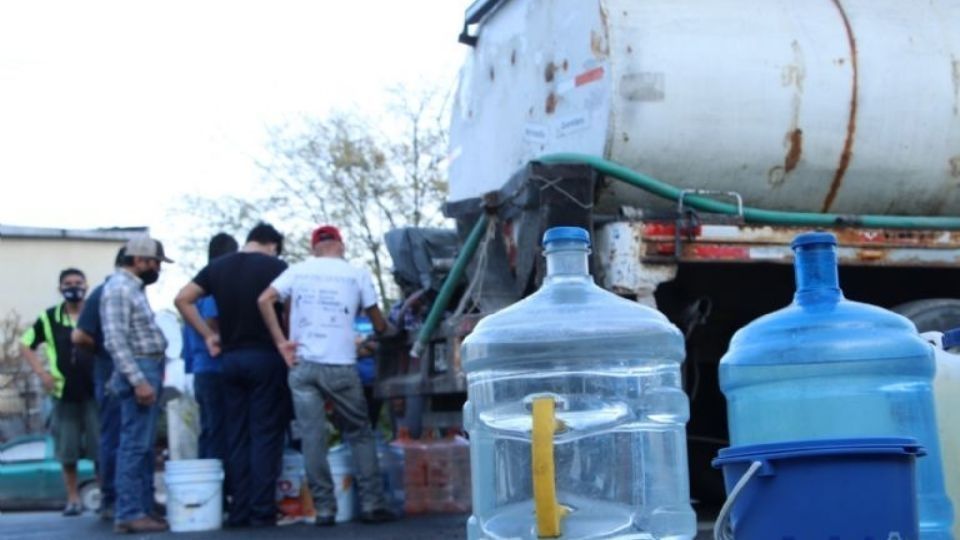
(588, 77)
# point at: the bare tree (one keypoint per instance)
(334, 171)
(343, 169)
(419, 152)
(15, 376)
(10, 328)
(232, 215)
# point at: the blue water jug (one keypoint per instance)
(576, 413)
(825, 367)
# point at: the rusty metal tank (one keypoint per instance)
(848, 106)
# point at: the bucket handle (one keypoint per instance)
(197, 502)
(722, 529)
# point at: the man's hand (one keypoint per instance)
(288, 350)
(145, 394)
(213, 344)
(49, 383)
(367, 347)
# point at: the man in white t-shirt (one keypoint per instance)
(324, 294)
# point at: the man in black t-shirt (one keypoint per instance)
(254, 373)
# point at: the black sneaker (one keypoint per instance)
(380, 515)
(72, 509)
(325, 521)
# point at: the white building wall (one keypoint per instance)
(29, 268)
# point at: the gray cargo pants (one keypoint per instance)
(312, 384)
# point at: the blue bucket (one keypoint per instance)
(846, 489)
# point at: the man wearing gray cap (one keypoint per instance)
(137, 346)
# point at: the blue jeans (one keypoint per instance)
(208, 388)
(138, 426)
(258, 403)
(108, 408)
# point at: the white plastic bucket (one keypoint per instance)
(291, 476)
(344, 487)
(194, 494)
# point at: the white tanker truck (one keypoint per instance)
(694, 139)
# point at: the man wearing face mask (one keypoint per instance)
(135, 342)
(89, 335)
(68, 378)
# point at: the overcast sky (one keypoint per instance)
(111, 110)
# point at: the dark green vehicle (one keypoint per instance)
(30, 477)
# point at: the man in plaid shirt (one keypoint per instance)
(137, 346)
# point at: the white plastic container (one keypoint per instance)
(194, 494)
(292, 476)
(946, 389)
(344, 488)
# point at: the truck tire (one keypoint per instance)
(934, 314)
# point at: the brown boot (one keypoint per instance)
(145, 524)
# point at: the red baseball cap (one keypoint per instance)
(324, 233)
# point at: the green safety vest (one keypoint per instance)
(47, 320)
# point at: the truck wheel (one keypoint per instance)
(934, 314)
(90, 496)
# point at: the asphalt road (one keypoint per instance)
(53, 526)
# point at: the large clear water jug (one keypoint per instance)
(825, 367)
(576, 412)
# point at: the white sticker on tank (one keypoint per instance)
(572, 124)
(535, 133)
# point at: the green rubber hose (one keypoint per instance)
(751, 215)
(449, 285)
(667, 191)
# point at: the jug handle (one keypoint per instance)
(722, 530)
(548, 511)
